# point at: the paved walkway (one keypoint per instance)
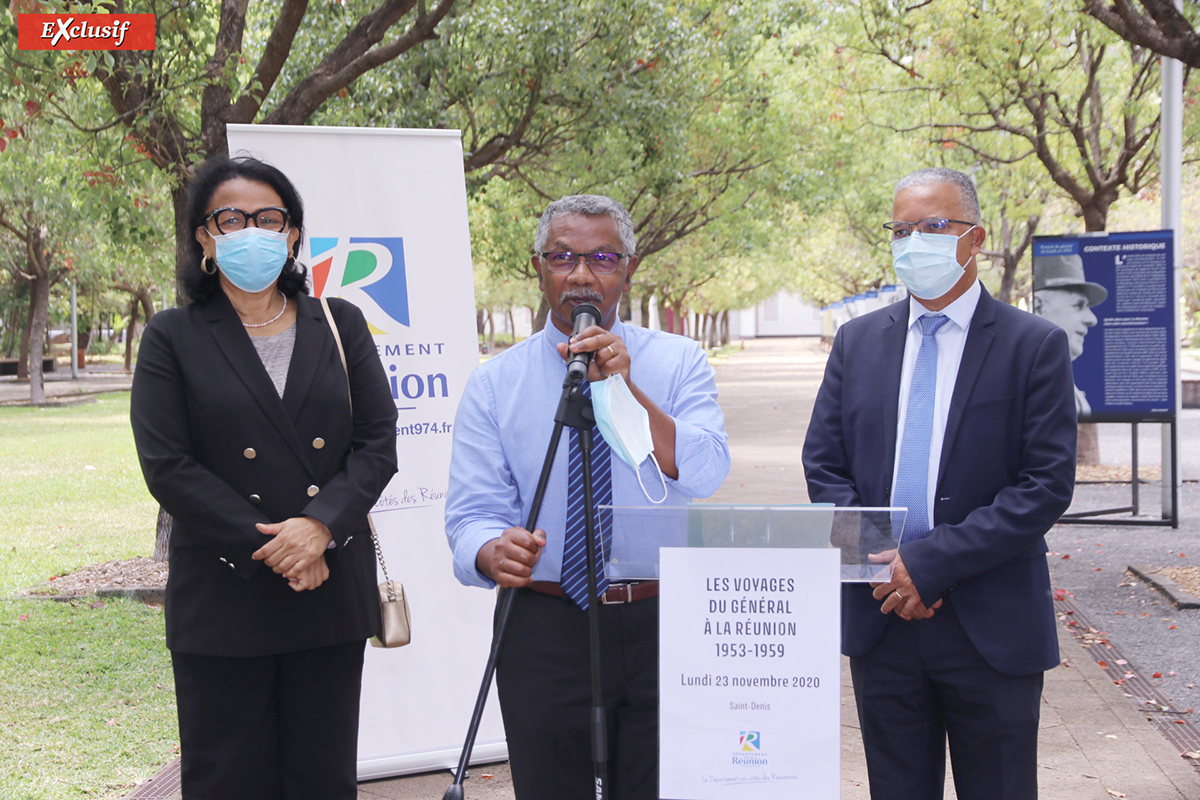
(1093, 744)
(60, 387)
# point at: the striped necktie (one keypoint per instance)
(574, 561)
(912, 479)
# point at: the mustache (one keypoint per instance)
(580, 295)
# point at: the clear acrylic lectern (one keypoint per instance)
(864, 535)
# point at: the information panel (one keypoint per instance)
(749, 674)
(1113, 295)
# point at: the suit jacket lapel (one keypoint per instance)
(314, 345)
(894, 334)
(226, 328)
(979, 341)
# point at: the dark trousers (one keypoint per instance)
(924, 683)
(543, 680)
(281, 727)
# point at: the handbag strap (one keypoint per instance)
(337, 338)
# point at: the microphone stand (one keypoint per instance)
(574, 411)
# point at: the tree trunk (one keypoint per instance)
(539, 319)
(645, 305)
(491, 332)
(512, 324)
(40, 298)
(183, 238)
(16, 320)
(162, 534)
(129, 331)
(1089, 444)
(23, 355)
(147, 301)
(725, 327)
(1008, 279)
(480, 321)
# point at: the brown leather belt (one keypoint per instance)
(615, 593)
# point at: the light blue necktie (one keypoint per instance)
(912, 479)
(574, 562)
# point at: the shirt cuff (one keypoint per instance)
(467, 545)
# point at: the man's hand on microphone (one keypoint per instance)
(609, 354)
(509, 560)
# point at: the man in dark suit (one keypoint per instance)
(960, 408)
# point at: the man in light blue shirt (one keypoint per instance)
(584, 253)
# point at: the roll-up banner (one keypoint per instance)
(386, 229)
(1113, 295)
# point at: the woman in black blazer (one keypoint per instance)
(246, 435)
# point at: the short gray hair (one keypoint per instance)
(592, 204)
(966, 188)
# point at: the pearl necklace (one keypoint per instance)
(272, 319)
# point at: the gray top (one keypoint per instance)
(276, 354)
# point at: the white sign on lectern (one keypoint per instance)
(749, 674)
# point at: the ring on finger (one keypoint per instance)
(897, 593)
(610, 350)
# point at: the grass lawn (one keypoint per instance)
(85, 687)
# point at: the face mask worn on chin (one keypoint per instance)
(625, 426)
(251, 258)
(927, 263)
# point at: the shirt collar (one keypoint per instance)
(959, 312)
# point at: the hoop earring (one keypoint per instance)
(208, 266)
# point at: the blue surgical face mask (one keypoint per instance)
(625, 426)
(927, 263)
(252, 258)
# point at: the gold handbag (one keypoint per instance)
(394, 626)
(395, 622)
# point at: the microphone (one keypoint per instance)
(584, 316)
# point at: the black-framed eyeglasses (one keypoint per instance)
(232, 220)
(901, 230)
(599, 263)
